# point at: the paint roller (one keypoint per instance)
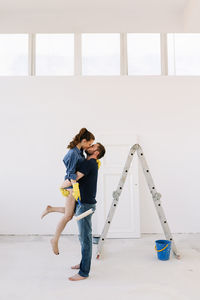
(85, 214)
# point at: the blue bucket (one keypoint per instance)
(163, 248)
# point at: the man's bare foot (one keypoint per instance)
(77, 277)
(54, 245)
(46, 211)
(76, 267)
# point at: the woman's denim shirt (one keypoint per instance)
(70, 160)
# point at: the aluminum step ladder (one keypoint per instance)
(156, 199)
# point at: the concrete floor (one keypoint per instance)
(128, 269)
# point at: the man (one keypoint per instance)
(87, 178)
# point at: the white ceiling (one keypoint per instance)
(136, 7)
(99, 16)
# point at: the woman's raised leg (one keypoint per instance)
(50, 209)
(68, 215)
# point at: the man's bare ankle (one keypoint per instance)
(76, 267)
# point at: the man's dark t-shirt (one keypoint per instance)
(88, 183)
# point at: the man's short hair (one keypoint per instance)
(101, 150)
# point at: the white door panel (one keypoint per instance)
(125, 223)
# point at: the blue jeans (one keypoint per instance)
(85, 237)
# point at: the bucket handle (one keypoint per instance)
(161, 249)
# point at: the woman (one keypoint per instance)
(83, 140)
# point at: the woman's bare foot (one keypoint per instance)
(76, 267)
(77, 277)
(46, 211)
(54, 245)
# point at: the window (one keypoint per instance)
(54, 54)
(13, 54)
(101, 54)
(184, 54)
(144, 54)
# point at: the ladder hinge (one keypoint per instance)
(157, 196)
(116, 195)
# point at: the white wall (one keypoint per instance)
(191, 16)
(39, 115)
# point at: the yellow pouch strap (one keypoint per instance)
(76, 192)
(98, 163)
